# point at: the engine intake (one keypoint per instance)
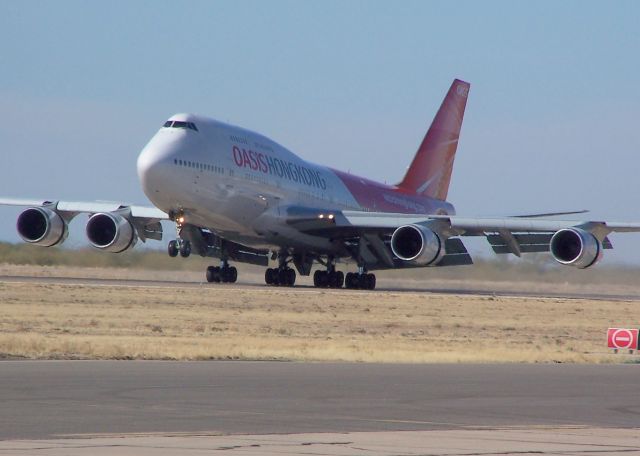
(111, 232)
(41, 226)
(417, 244)
(575, 247)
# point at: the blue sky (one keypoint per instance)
(551, 123)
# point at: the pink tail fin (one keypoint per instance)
(430, 170)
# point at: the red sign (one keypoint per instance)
(621, 338)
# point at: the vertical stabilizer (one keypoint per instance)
(430, 170)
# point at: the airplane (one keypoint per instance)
(237, 195)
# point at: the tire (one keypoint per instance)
(172, 249)
(339, 279)
(316, 278)
(185, 249)
(370, 281)
(213, 274)
(291, 277)
(282, 277)
(232, 274)
(332, 279)
(210, 276)
(268, 276)
(350, 281)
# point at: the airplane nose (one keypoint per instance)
(148, 165)
(154, 163)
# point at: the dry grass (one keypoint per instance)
(39, 320)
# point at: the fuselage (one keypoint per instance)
(236, 183)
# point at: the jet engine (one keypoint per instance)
(41, 226)
(111, 232)
(575, 247)
(417, 244)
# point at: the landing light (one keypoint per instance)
(180, 219)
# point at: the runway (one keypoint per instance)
(609, 296)
(57, 399)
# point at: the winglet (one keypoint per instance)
(430, 171)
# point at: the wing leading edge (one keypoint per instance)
(46, 221)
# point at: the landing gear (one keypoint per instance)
(283, 275)
(328, 279)
(224, 273)
(173, 249)
(360, 280)
(179, 246)
(185, 249)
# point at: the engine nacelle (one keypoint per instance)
(575, 247)
(111, 232)
(42, 226)
(417, 244)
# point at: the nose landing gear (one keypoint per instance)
(179, 246)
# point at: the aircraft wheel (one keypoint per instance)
(268, 276)
(348, 279)
(172, 249)
(339, 279)
(317, 278)
(291, 277)
(213, 274)
(185, 249)
(351, 281)
(232, 274)
(283, 277)
(369, 281)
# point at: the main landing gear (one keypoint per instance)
(179, 246)
(224, 273)
(328, 279)
(283, 275)
(360, 280)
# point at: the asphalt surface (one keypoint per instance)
(381, 287)
(53, 399)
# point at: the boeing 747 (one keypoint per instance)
(237, 195)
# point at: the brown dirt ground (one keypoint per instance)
(49, 320)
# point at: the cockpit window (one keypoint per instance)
(180, 124)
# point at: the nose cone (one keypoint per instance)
(154, 166)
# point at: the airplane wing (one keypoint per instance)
(78, 207)
(144, 219)
(516, 235)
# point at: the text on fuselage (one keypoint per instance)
(258, 161)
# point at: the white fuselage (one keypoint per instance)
(235, 182)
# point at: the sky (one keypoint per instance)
(552, 120)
